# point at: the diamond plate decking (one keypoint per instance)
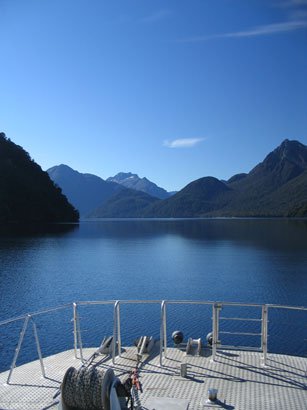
(242, 382)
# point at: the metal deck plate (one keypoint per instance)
(242, 382)
(166, 403)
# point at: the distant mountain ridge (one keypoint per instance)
(88, 192)
(127, 203)
(85, 191)
(275, 187)
(268, 189)
(133, 181)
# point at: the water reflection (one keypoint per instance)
(36, 230)
(243, 260)
(284, 234)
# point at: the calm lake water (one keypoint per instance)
(242, 260)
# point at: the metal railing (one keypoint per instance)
(117, 342)
(29, 318)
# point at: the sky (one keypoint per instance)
(169, 89)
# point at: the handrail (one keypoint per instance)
(287, 307)
(95, 302)
(36, 313)
(162, 332)
(216, 308)
(17, 350)
(21, 337)
(240, 333)
(264, 333)
(243, 319)
(116, 330)
(154, 301)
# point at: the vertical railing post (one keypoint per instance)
(115, 328)
(75, 329)
(215, 330)
(78, 331)
(264, 334)
(218, 310)
(38, 347)
(21, 337)
(162, 331)
(119, 338)
(262, 315)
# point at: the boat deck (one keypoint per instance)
(242, 382)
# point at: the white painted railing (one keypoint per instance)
(117, 342)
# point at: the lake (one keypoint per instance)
(241, 260)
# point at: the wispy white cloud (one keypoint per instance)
(270, 29)
(264, 30)
(182, 142)
(296, 9)
(299, 14)
(291, 3)
(156, 16)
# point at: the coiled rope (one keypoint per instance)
(87, 388)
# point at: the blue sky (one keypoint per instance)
(172, 90)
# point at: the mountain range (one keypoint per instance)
(275, 187)
(84, 191)
(88, 192)
(133, 181)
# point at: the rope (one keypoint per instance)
(88, 388)
(82, 389)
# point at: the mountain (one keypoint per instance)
(235, 178)
(198, 197)
(133, 181)
(85, 191)
(275, 187)
(27, 193)
(127, 203)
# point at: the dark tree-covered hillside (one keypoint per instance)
(198, 197)
(27, 194)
